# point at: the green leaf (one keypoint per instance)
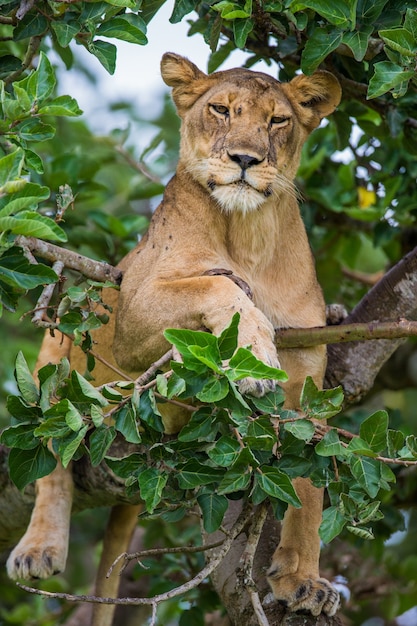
(213, 508)
(400, 40)
(63, 105)
(34, 130)
(31, 224)
(85, 391)
(216, 389)
(151, 485)
(241, 30)
(395, 441)
(68, 446)
(28, 196)
(11, 166)
(332, 524)
(277, 485)
(25, 380)
(206, 355)
(199, 428)
(260, 434)
(330, 445)
(27, 466)
(55, 427)
(65, 31)
(244, 363)
(337, 13)
(227, 340)
(193, 474)
(363, 533)
(181, 9)
(100, 441)
(367, 472)
(32, 25)
(105, 52)
(301, 429)
(183, 340)
(410, 22)
(20, 436)
(148, 411)
(22, 411)
(225, 451)
(126, 424)
(387, 77)
(321, 43)
(320, 403)
(15, 270)
(235, 480)
(374, 431)
(357, 41)
(129, 27)
(271, 402)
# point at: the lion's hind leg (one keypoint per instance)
(43, 549)
(294, 575)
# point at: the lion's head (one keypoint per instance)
(243, 131)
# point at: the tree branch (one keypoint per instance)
(96, 270)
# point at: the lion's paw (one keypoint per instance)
(300, 591)
(35, 561)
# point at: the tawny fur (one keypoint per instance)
(231, 205)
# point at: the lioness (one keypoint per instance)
(230, 206)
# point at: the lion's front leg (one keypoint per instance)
(43, 549)
(294, 573)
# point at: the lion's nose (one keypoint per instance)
(244, 160)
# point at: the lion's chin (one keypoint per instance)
(238, 197)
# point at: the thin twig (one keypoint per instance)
(146, 376)
(158, 551)
(240, 524)
(46, 295)
(138, 165)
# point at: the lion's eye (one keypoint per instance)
(280, 121)
(220, 108)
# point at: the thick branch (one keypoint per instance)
(355, 365)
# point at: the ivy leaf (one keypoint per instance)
(235, 480)
(151, 485)
(26, 466)
(213, 508)
(277, 485)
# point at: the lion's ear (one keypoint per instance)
(318, 95)
(187, 81)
